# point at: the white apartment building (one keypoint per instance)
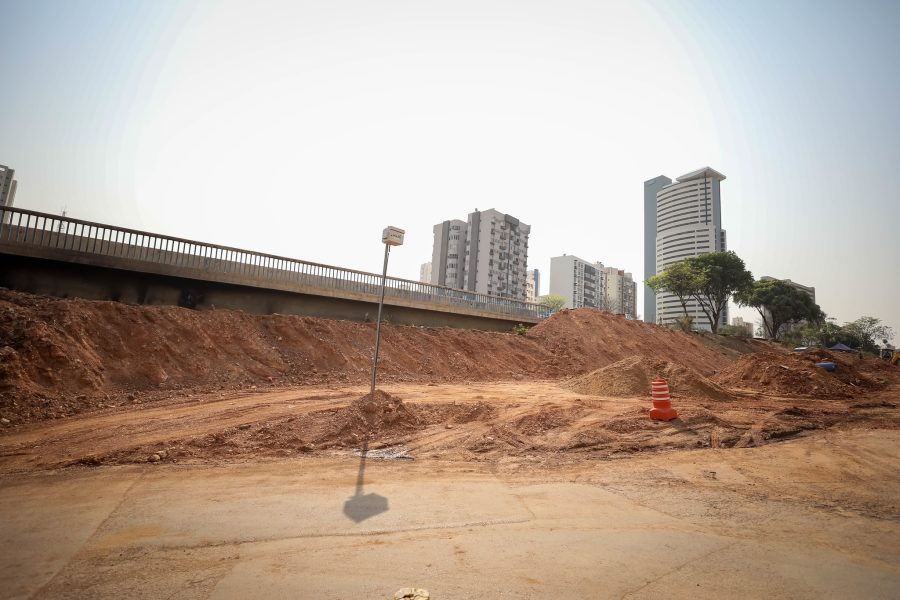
(688, 224)
(532, 285)
(488, 254)
(425, 273)
(579, 281)
(629, 296)
(591, 285)
(448, 256)
(7, 188)
(651, 189)
(621, 292)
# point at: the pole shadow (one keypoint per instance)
(360, 506)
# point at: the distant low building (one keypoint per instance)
(747, 326)
(425, 273)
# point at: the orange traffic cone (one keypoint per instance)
(662, 407)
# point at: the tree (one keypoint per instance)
(719, 276)
(802, 334)
(552, 301)
(779, 304)
(679, 280)
(867, 331)
(863, 333)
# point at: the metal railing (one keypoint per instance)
(27, 228)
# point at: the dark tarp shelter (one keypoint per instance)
(841, 348)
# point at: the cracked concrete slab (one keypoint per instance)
(47, 519)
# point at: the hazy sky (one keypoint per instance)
(303, 128)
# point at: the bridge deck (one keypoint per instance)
(107, 249)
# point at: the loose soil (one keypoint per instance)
(631, 377)
(797, 374)
(60, 357)
(166, 385)
(492, 422)
(374, 416)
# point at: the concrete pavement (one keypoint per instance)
(646, 528)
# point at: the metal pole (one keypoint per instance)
(387, 250)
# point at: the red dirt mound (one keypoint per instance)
(373, 417)
(630, 378)
(60, 357)
(585, 339)
(794, 375)
(853, 369)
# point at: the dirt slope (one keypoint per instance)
(58, 356)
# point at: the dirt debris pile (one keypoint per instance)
(795, 375)
(373, 417)
(630, 378)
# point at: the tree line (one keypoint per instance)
(787, 313)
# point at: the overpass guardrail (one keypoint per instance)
(21, 229)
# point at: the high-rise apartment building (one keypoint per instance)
(488, 254)
(591, 285)
(7, 189)
(629, 297)
(688, 223)
(532, 285)
(425, 273)
(448, 257)
(621, 292)
(651, 188)
(7, 185)
(578, 281)
(496, 254)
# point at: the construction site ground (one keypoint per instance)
(156, 452)
(814, 517)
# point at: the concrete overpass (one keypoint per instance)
(59, 256)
